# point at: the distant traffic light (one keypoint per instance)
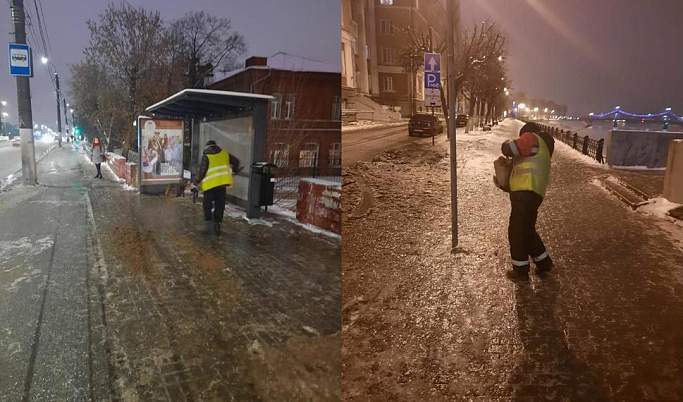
(666, 126)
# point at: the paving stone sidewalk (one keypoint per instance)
(251, 315)
(420, 323)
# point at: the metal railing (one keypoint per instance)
(291, 171)
(586, 145)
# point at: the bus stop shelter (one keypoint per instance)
(235, 120)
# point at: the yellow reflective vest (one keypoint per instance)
(219, 172)
(532, 173)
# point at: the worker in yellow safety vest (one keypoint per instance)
(531, 154)
(214, 177)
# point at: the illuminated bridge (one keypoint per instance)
(619, 114)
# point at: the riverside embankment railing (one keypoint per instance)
(585, 145)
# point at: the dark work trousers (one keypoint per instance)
(214, 199)
(99, 170)
(524, 240)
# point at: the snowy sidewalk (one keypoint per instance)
(421, 323)
(253, 314)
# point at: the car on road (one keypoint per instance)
(16, 142)
(424, 124)
(461, 120)
(4, 138)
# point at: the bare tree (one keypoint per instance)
(99, 105)
(207, 43)
(128, 43)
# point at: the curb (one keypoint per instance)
(7, 181)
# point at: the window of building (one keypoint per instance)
(335, 154)
(388, 84)
(275, 107)
(386, 2)
(281, 154)
(308, 155)
(386, 27)
(336, 108)
(387, 56)
(289, 106)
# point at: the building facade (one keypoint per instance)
(374, 33)
(304, 125)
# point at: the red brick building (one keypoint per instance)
(304, 126)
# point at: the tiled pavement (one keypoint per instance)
(421, 323)
(252, 315)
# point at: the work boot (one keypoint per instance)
(208, 226)
(545, 265)
(217, 228)
(517, 273)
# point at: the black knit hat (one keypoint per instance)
(530, 127)
(210, 143)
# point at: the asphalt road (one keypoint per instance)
(10, 157)
(365, 144)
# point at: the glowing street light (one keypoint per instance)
(4, 103)
(44, 60)
(535, 109)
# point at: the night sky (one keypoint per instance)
(309, 28)
(592, 55)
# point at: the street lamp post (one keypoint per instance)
(45, 60)
(2, 120)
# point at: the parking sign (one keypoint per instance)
(433, 80)
(20, 59)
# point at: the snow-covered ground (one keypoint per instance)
(367, 125)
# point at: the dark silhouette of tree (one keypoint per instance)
(207, 43)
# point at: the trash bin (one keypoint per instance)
(265, 174)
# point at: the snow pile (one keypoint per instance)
(576, 155)
(367, 125)
(658, 207)
(636, 168)
(283, 211)
(109, 169)
(236, 212)
(290, 216)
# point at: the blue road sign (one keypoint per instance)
(432, 62)
(433, 80)
(19, 59)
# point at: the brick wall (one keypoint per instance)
(319, 204)
(122, 169)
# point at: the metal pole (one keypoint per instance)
(431, 50)
(453, 43)
(28, 152)
(66, 117)
(59, 113)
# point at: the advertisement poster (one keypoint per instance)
(161, 150)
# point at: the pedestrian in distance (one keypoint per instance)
(214, 178)
(530, 154)
(97, 156)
